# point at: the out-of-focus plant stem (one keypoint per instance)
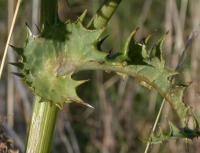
(104, 14)
(49, 13)
(9, 36)
(10, 86)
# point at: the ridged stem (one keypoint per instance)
(180, 109)
(104, 14)
(41, 127)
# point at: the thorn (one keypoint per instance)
(82, 17)
(19, 51)
(19, 65)
(161, 41)
(81, 102)
(101, 42)
(38, 29)
(129, 41)
(59, 106)
(147, 39)
(28, 29)
(82, 81)
(67, 21)
(18, 74)
(110, 53)
(87, 105)
(157, 49)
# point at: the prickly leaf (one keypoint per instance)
(49, 60)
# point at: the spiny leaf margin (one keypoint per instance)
(48, 62)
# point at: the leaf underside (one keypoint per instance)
(48, 61)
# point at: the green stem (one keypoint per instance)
(44, 113)
(49, 13)
(41, 127)
(104, 14)
(180, 108)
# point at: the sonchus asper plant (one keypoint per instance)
(48, 61)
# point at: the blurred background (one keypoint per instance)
(124, 111)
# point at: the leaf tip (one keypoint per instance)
(82, 16)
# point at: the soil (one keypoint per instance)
(6, 143)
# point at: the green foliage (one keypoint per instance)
(49, 60)
(174, 132)
(45, 66)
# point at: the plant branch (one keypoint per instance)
(104, 14)
(175, 101)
